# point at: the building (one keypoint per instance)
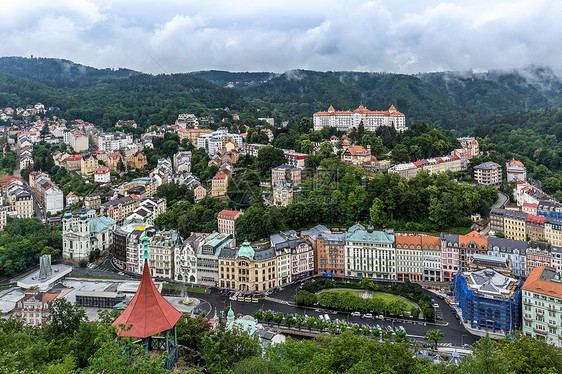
(219, 185)
(450, 256)
(538, 254)
(34, 308)
(163, 246)
(102, 175)
(116, 162)
(286, 173)
(356, 155)
(370, 253)
(489, 301)
(295, 159)
(514, 225)
(488, 174)
(515, 250)
(534, 227)
(300, 249)
(192, 134)
(409, 257)
(46, 192)
(199, 193)
(208, 257)
(147, 183)
(19, 196)
(86, 233)
(215, 141)
(435, 165)
(226, 221)
(496, 219)
(79, 141)
(182, 161)
(329, 254)
(138, 160)
(247, 268)
(515, 171)
(542, 301)
(73, 162)
(530, 208)
(118, 209)
(88, 164)
(553, 231)
(372, 120)
(185, 269)
(501, 265)
(282, 194)
(471, 146)
(469, 245)
(92, 202)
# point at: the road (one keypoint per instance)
(454, 331)
(501, 201)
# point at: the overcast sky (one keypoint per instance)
(268, 35)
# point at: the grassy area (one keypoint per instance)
(388, 298)
(186, 288)
(356, 292)
(27, 273)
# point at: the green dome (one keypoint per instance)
(246, 250)
(230, 314)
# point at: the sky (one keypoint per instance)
(166, 36)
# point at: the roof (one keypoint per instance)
(544, 280)
(488, 166)
(220, 176)
(246, 250)
(100, 223)
(102, 170)
(228, 213)
(148, 312)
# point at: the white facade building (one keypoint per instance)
(372, 120)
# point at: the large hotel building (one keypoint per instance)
(345, 120)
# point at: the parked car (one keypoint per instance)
(367, 315)
(356, 314)
(439, 318)
(380, 316)
(326, 318)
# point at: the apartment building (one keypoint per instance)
(208, 257)
(227, 220)
(371, 120)
(330, 253)
(515, 171)
(185, 269)
(302, 253)
(534, 227)
(34, 308)
(370, 253)
(542, 305)
(515, 250)
(409, 257)
(118, 209)
(538, 254)
(450, 256)
(514, 225)
(20, 198)
(138, 160)
(497, 219)
(488, 174)
(192, 134)
(282, 194)
(553, 231)
(247, 268)
(286, 173)
(163, 246)
(219, 185)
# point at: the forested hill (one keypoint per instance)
(59, 73)
(447, 100)
(223, 78)
(103, 96)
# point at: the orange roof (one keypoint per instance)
(331, 109)
(228, 213)
(392, 108)
(531, 205)
(534, 283)
(515, 163)
(432, 242)
(220, 176)
(148, 312)
(473, 237)
(358, 150)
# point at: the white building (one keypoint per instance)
(515, 171)
(185, 258)
(542, 305)
(182, 162)
(372, 120)
(369, 253)
(216, 140)
(301, 251)
(85, 233)
(102, 175)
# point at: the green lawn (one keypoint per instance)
(389, 298)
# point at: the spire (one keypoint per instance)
(145, 254)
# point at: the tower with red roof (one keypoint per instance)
(149, 314)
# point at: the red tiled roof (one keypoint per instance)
(535, 284)
(228, 213)
(220, 176)
(102, 170)
(529, 205)
(148, 312)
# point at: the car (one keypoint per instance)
(367, 315)
(389, 328)
(457, 316)
(326, 318)
(379, 327)
(380, 316)
(356, 314)
(440, 296)
(439, 318)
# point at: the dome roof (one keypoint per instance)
(230, 314)
(246, 250)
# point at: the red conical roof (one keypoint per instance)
(148, 312)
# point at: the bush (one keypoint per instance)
(305, 298)
(83, 263)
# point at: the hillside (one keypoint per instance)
(105, 96)
(447, 100)
(223, 78)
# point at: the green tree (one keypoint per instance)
(258, 314)
(433, 336)
(278, 318)
(306, 146)
(268, 316)
(310, 321)
(400, 337)
(268, 158)
(377, 214)
(289, 320)
(64, 318)
(486, 358)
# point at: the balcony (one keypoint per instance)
(552, 326)
(552, 309)
(527, 303)
(540, 314)
(540, 332)
(528, 319)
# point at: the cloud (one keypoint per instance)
(252, 35)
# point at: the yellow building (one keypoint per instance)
(219, 184)
(553, 231)
(88, 165)
(113, 161)
(514, 225)
(138, 160)
(247, 269)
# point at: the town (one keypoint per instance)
(496, 279)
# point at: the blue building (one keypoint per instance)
(489, 300)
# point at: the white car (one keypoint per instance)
(367, 315)
(356, 314)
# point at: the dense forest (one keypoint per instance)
(534, 138)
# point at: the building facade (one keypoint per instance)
(226, 221)
(369, 253)
(372, 120)
(488, 174)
